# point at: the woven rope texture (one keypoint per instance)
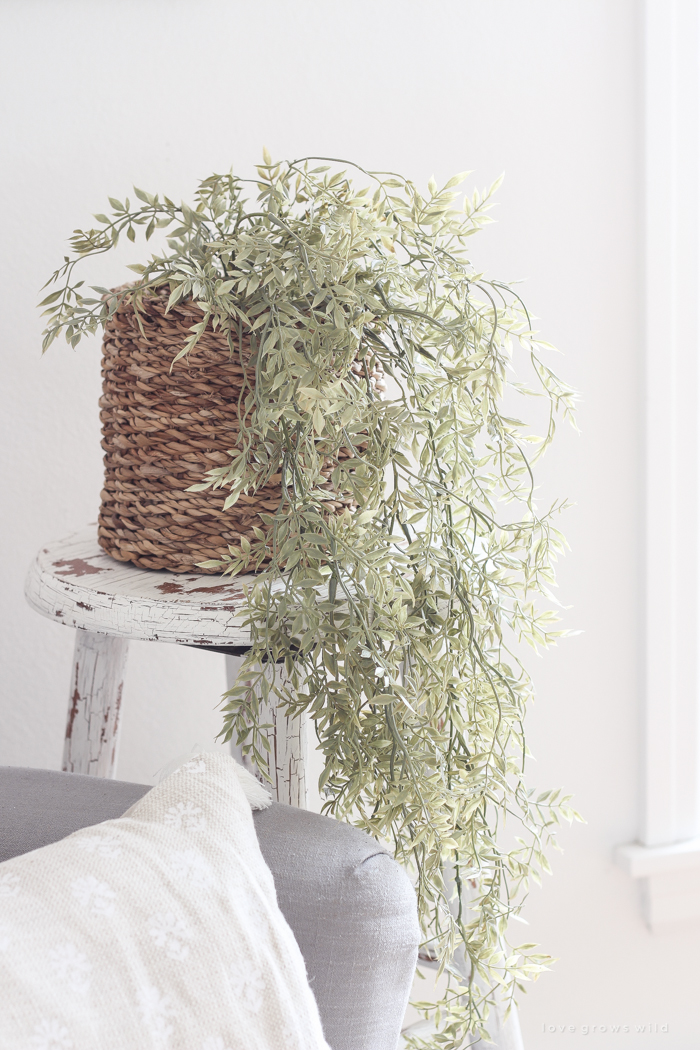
(163, 428)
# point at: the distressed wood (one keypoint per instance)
(75, 583)
(97, 683)
(287, 759)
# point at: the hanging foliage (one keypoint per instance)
(398, 598)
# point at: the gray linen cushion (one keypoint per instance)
(351, 907)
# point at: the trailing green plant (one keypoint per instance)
(398, 624)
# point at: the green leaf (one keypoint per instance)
(456, 180)
(51, 298)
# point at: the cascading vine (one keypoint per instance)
(398, 596)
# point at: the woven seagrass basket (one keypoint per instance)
(163, 428)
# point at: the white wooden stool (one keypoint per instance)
(75, 583)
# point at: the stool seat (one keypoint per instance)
(73, 581)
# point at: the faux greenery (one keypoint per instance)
(399, 623)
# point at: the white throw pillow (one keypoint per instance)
(157, 931)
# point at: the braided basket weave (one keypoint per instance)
(163, 427)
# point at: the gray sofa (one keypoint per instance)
(351, 907)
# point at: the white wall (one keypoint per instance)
(100, 95)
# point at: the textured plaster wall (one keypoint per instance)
(99, 95)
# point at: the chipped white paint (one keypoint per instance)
(97, 683)
(73, 582)
(76, 583)
(287, 757)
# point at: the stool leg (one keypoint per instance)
(287, 757)
(99, 661)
